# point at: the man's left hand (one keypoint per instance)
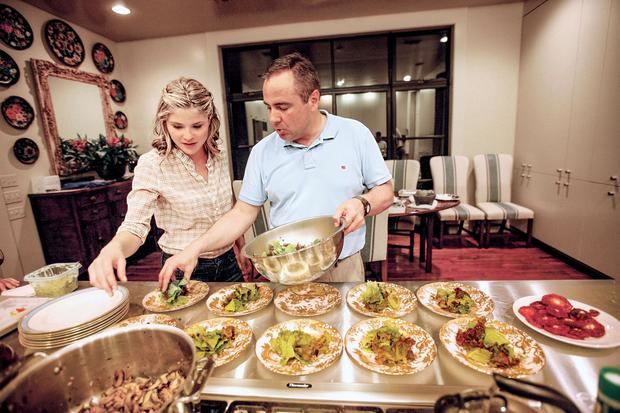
(352, 214)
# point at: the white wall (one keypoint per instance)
(22, 233)
(485, 67)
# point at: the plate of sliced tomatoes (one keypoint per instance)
(568, 320)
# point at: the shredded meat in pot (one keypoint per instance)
(136, 395)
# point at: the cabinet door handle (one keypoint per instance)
(568, 171)
(558, 182)
(611, 193)
(122, 215)
(559, 170)
(566, 184)
(93, 198)
(95, 211)
(613, 178)
(118, 192)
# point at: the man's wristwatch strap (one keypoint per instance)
(364, 202)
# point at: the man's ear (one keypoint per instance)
(314, 98)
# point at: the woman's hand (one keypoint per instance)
(101, 271)
(8, 283)
(351, 212)
(185, 261)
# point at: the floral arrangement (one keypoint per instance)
(107, 156)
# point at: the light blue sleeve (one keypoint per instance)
(253, 188)
(374, 170)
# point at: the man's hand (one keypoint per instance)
(101, 270)
(8, 283)
(245, 265)
(185, 261)
(351, 212)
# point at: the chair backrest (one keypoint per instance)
(450, 175)
(405, 173)
(375, 247)
(493, 177)
(261, 224)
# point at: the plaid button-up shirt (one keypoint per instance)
(184, 204)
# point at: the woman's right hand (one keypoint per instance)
(101, 271)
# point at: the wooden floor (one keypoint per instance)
(456, 261)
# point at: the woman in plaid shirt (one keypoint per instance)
(183, 182)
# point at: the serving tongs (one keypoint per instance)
(190, 399)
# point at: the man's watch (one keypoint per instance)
(364, 202)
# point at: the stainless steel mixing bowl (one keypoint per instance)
(306, 264)
(73, 375)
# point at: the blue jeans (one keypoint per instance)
(219, 269)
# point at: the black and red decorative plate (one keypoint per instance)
(117, 91)
(64, 42)
(9, 71)
(26, 150)
(15, 31)
(120, 120)
(17, 112)
(104, 61)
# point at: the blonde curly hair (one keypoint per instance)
(185, 93)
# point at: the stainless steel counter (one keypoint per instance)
(570, 369)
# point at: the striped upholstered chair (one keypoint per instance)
(405, 173)
(260, 225)
(375, 248)
(493, 181)
(450, 175)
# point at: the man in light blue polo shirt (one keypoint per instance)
(313, 164)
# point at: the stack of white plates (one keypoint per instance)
(72, 317)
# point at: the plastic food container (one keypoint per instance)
(54, 280)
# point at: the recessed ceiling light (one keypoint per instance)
(443, 39)
(120, 9)
(407, 78)
(340, 82)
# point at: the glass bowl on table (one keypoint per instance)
(298, 252)
(54, 280)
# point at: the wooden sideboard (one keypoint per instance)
(75, 224)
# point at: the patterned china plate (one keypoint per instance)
(15, 31)
(26, 150)
(64, 42)
(155, 301)
(218, 300)
(426, 296)
(305, 300)
(120, 120)
(17, 112)
(243, 337)
(9, 71)
(271, 359)
(424, 347)
(407, 301)
(147, 319)
(117, 91)
(525, 347)
(104, 61)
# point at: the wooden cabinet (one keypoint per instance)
(567, 142)
(75, 224)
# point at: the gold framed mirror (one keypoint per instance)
(71, 102)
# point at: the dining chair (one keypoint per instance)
(405, 174)
(450, 175)
(260, 225)
(493, 187)
(376, 245)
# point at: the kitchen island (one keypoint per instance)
(570, 369)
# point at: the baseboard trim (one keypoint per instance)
(573, 262)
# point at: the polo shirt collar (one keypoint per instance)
(329, 132)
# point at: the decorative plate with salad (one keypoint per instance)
(221, 338)
(379, 299)
(239, 299)
(455, 299)
(180, 294)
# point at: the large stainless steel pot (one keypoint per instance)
(73, 375)
(305, 264)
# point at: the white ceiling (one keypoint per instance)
(164, 18)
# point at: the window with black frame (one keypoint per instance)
(396, 83)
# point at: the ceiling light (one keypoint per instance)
(444, 39)
(120, 9)
(407, 78)
(340, 82)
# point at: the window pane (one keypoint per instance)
(361, 62)
(257, 121)
(318, 53)
(326, 102)
(417, 114)
(420, 57)
(243, 69)
(368, 108)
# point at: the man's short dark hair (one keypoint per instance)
(306, 76)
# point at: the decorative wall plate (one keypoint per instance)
(26, 150)
(17, 112)
(117, 91)
(64, 42)
(15, 31)
(9, 71)
(104, 61)
(120, 120)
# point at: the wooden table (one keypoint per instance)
(427, 221)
